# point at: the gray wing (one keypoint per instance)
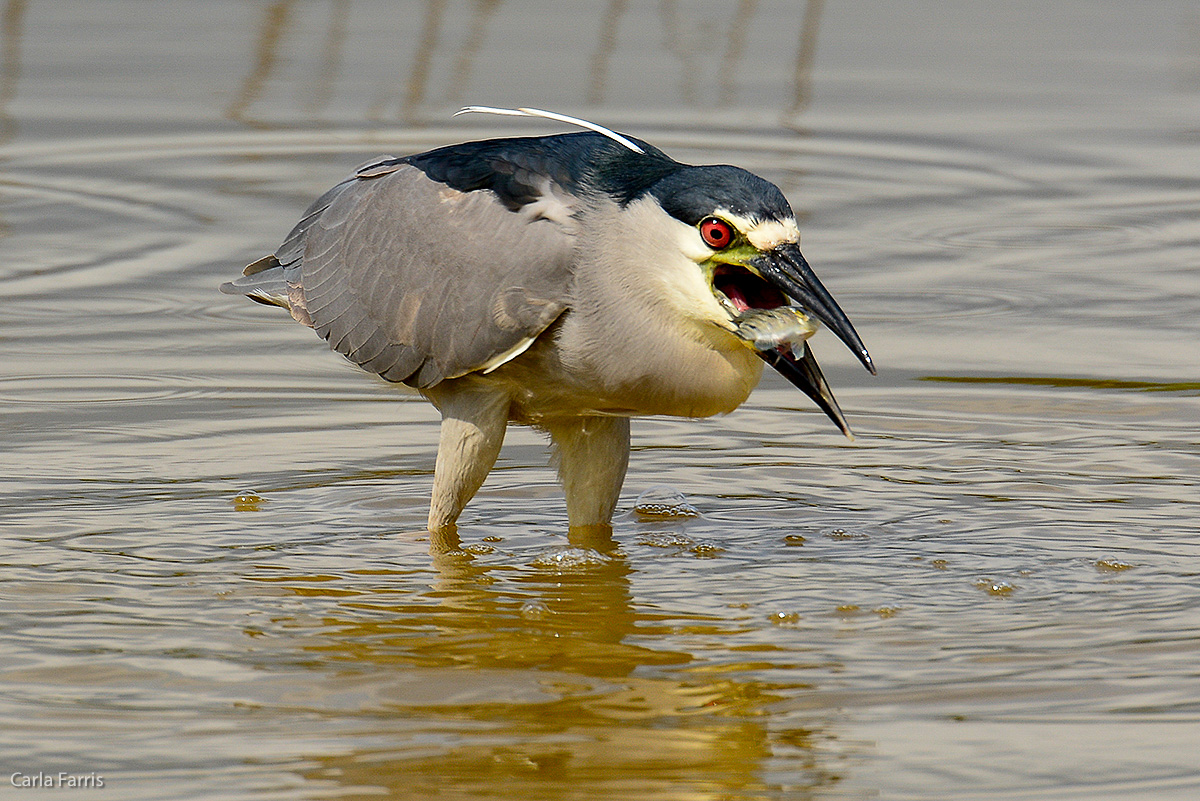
(419, 282)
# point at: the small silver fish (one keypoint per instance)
(767, 329)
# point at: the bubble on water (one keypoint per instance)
(535, 610)
(1110, 565)
(707, 550)
(784, 618)
(479, 549)
(848, 610)
(846, 534)
(663, 503)
(668, 540)
(794, 539)
(571, 559)
(248, 501)
(940, 564)
(1000, 588)
(886, 611)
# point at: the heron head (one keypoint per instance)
(748, 245)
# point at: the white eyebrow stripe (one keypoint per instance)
(553, 115)
(763, 234)
(770, 234)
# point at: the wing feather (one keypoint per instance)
(420, 282)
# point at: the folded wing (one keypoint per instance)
(419, 281)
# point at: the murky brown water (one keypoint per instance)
(208, 590)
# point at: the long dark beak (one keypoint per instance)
(805, 375)
(786, 268)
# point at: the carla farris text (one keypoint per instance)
(57, 780)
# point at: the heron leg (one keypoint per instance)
(592, 454)
(474, 419)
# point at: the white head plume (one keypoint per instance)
(551, 115)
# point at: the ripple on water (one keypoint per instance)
(125, 211)
(102, 234)
(949, 303)
(96, 389)
(1036, 232)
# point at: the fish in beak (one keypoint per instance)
(778, 333)
(785, 268)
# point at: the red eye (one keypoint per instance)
(716, 233)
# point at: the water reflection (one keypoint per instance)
(11, 26)
(587, 761)
(434, 34)
(806, 56)
(464, 64)
(417, 84)
(606, 44)
(266, 53)
(331, 57)
(1059, 381)
(535, 681)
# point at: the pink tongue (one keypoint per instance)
(737, 299)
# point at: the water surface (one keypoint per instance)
(211, 583)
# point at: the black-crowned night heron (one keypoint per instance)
(566, 282)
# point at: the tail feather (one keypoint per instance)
(265, 284)
(265, 281)
(262, 265)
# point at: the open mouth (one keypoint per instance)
(759, 311)
(762, 317)
(743, 290)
